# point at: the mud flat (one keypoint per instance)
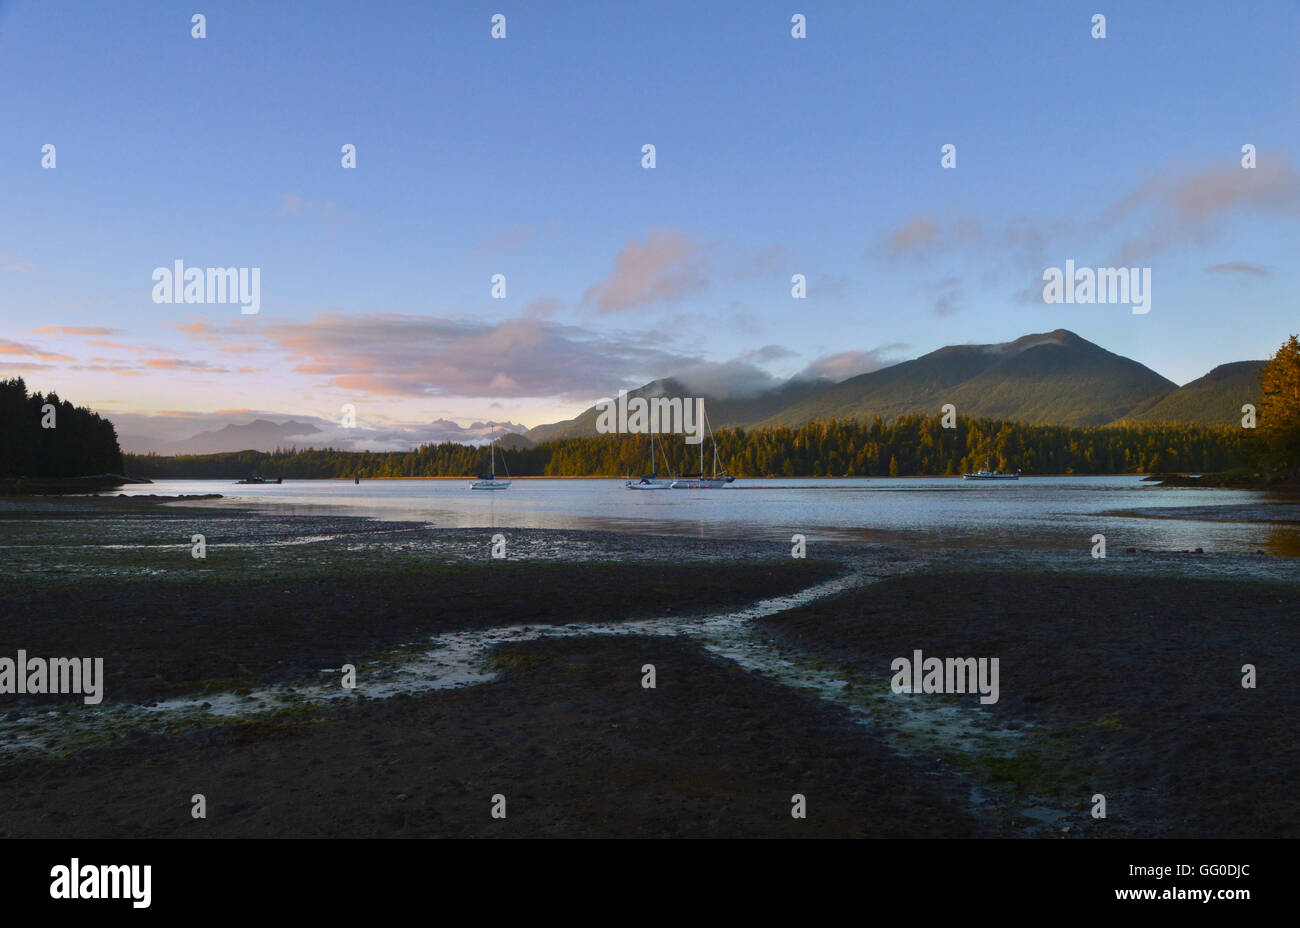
(278, 598)
(567, 735)
(523, 677)
(1130, 686)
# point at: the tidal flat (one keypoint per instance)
(525, 677)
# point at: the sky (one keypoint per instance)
(523, 156)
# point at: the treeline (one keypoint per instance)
(46, 437)
(912, 445)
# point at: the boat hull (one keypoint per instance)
(490, 485)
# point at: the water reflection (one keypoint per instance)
(1048, 513)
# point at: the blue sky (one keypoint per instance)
(521, 156)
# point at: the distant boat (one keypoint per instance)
(651, 481)
(492, 483)
(700, 481)
(258, 478)
(985, 474)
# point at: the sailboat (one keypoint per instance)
(700, 481)
(492, 483)
(650, 482)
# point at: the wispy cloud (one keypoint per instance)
(75, 330)
(326, 213)
(393, 354)
(845, 364)
(758, 262)
(1177, 207)
(11, 347)
(14, 264)
(1239, 267)
(666, 267)
(508, 242)
(768, 354)
(178, 364)
(948, 296)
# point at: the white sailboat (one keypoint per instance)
(701, 481)
(492, 483)
(650, 482)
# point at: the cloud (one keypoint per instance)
(14, 264)
(759, 262)
(725, 378)
(393, 354)
(667, 267)
(75, 330)
(8, 346)
(767, 354)
(138, 349)
(109, 366)
(509, 242)
(543, 307)
(845, 364)
(922, 237)
(176, 364)
(144, 432)
(1174, 207)
(1239, 267)
(949, 296)
(326, 214)
(1177, 207)
(920, 233)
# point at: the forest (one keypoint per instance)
(912, 445)
(46, 437)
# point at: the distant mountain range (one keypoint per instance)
(264, 434)
(259, 435)
(1052, 378)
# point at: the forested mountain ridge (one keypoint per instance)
(1048, 378)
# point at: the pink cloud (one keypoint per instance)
(666, 267)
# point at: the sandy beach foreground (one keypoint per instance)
(525, 678)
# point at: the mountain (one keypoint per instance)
(720, 410)
(258, 435)
(1058, 379)
(514, 441)
(1053, 378)
(265, 435)
(1215, 399)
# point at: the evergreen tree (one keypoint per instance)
(1278, 442)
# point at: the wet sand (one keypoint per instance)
(1133, 683)
(568, 735)
(1122, 679)
(169, 637)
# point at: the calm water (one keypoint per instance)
(1036, 512)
